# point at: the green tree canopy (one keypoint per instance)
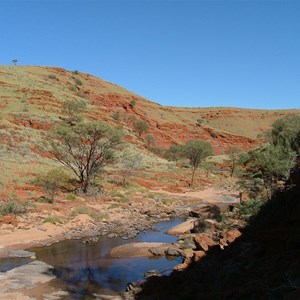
(196, 151)
(286, 132)
(85, 149)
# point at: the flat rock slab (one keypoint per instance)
(133, 250)
(20, 253)
(182, 228)
(25, 277)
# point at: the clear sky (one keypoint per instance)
(179, 53)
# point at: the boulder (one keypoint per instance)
(182, 228)
(171, 251)
(156, 251)
(229, 237)
(203, 225)
(204, 242)
(188, 253)
(184, 265)
(139, 249)
(198, 255)
(151, 273)
(207, 211)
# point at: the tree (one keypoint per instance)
(85, 149)
(269, 164)
(286, 132)
(233, 153)
(196, 151)
(14, 61)
(141, 127)
(73, 110)
(131, 162)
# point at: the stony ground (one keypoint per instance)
(125, 220)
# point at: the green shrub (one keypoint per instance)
(70, 196)
(53, 220)
(52, 76)
(13, 207)
(97, 216)
(132, 103)
(250, 207)
(53, 181)
(78, 82)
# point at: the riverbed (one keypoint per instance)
(86, 269)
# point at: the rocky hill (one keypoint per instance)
(31, 99)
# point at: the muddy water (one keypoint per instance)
(87, 269)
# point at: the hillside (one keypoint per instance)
(31, 99)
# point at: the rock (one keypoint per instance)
(11, 219)
(204, 242)
(151, 273)
(184, 265)
(182, 228)
(26, 276)
(112, 235)
(198, 255)
(156, 251)
(41, 227)
(207, 211)
(202, 225)
(188, 253)
(20, 253)
(230, 236)
(172, 252)
(132, 250)
(134, 287)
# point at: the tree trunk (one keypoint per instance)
(193, 174)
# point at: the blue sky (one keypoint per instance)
(179, 53)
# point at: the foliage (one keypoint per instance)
(286, 132)
(233, 153)
(174, 153)
(70, 196)
(200, 121)
(52, 181)
(141, 127)
(213, 134)
(52, 76)
(73, 109)
(14, 61)
(272, 162)
(250, 208)
(53, 220)
(117, 116)
(132, 103)
(130, 120)
(13, 206)
(85, 149)
(150, 141)
(78, 82)
(130, 162)
(267, 165)
(196, 151)
(97, 216)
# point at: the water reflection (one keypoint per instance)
(88, 268)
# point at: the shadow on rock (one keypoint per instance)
(264, 263)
